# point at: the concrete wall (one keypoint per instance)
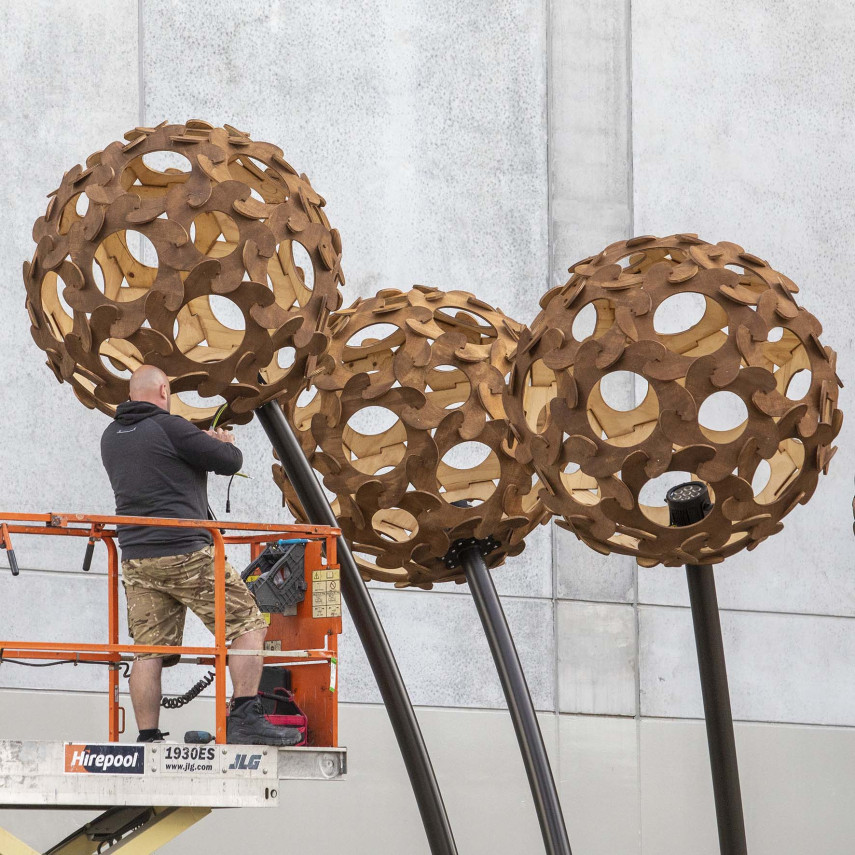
(482, 146)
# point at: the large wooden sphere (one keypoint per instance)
(407, 428)
(606, 462)
(182, 248)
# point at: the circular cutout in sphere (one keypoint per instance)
(408, 430)
(706, 396)
(183, 248)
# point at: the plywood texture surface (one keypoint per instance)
(178, 248)
(407, 428)
(750, 347)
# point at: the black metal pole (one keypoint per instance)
(370, 631)
(719, 720)
(689, 503)
(520, 706)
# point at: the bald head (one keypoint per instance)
(150, 384)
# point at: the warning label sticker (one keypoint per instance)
(326, 593)
(105, 759)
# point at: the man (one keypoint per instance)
(158, 465)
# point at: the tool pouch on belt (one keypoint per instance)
(281, 708)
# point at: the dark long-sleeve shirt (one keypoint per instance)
(158, 465)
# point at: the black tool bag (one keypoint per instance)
(276, 578)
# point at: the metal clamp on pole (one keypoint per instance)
(6, 544)
(687, 504)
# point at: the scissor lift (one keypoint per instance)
(151, 793)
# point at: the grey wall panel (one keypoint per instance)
(528, 574)
(733, 140)
(423, 126)
(596, 658)
(599, 784)
(783, 668)
(71, 88)
(488, 799)
(440, 646)
(676, 789)
(589, 134)
(784, 574)
(582, 574)
(797, 789)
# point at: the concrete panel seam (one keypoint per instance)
(550, 240)
(81, 692)
(414, 592)
(100, 574)
(124, 695)
(677, 607)
(630, 171)
(75, 574)
(495, 710)
(757, 721)
(555, 640)
(596, 602)
(141, 62)
(630, 207)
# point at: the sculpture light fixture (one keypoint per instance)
(751, 352)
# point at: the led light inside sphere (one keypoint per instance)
(686, 493)
(667, 360)
(407, 428)
(193, 248)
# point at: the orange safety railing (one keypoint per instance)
(103, 528)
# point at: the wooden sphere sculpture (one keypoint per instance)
(193, 269)
(408, 430)
(749, 342)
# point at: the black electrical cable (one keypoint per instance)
(117, 665)
(228, 495)
(166, 703)
(193, 692)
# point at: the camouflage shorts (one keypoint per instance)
(160, 590)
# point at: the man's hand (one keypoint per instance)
(222, 435)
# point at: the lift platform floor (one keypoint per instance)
(92, 775)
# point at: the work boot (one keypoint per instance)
(247, 725)
(153, 735)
